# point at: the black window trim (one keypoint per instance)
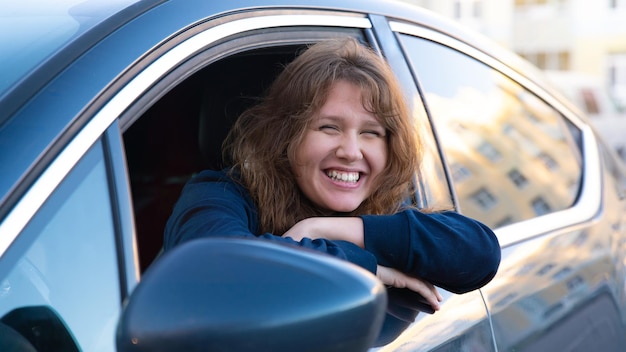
(121, 210)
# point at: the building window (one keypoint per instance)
(489, 152)
(484, 198)
(560, 60)
(590, 101)
(617, 4)
(548, 161)
(467, 9)
(522, 3)
(617, 77)
(477, 9)
(541, 60)
(540, 206)
(459, 172)
(545, 269)
(517, 178)
(503, 222)
(457, 9)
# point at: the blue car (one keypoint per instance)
(108, 107)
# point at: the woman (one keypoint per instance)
(326, 162)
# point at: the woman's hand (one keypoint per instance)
(395, 278)
(331, 228)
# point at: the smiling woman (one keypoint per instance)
(343, 152)
(112, 119)
(337, 163)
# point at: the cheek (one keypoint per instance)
(302, 155)
(379, 155)
(312, 149)
(298, 157)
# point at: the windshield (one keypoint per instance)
(32, 30)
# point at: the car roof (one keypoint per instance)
(39, 39)
(33, 30)
(36, 34)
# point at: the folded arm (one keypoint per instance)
(446, 249)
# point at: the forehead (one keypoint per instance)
(345, 99)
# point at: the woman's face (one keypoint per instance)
(343, 152)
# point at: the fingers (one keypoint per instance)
(427, 290)
(395, 278)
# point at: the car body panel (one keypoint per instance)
(36, 43)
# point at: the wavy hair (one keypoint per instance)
(264, 140)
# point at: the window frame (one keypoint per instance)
(432, 190)
(589, 200)
(197, 64)
(142, 76)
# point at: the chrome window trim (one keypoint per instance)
(54, 174)
(590, 199)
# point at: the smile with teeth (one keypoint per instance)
(351, 177)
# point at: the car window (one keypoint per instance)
(64, 264)
(511, 156)
(182, 132)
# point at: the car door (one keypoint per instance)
(524, 165)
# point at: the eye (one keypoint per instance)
(374, 133)
(329, 128)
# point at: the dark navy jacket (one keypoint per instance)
(446, 249)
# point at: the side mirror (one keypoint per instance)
(249, 295)
(35, 328)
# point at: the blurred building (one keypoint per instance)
(586, 36)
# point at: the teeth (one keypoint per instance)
(343, 176)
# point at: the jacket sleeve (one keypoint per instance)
(212, 205)
(447, 249)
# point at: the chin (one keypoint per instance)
(344, 208)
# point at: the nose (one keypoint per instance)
(349, 148)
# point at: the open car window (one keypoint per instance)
(183, 130)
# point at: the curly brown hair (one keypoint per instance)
(265, 138)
